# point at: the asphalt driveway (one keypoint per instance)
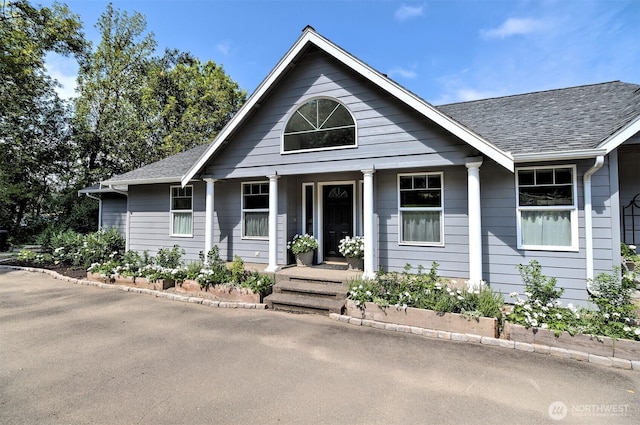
(72, 354)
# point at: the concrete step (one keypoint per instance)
(304, 303)
(311, 288)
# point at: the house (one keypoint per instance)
(327, 145)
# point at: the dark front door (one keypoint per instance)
(337, 204)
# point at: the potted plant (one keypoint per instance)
(302, 246)
(353, 250)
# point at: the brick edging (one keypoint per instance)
(158, 294)
(614, 362)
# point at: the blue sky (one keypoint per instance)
(444, 51)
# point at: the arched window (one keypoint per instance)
(319, 124)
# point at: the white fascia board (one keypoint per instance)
(309, 36)
(559, 156)
(621, 136)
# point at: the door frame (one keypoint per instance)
(320, 209)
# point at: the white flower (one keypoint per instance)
(544, 326)
(636, 331)
(626, 329)
(558, 316)
(606, 315)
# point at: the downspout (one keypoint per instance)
(99, 199)
(126, 225)
(588, 219)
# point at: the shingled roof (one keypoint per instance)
(568, 119)
(168, 170)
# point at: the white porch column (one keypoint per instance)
(367, 225)
(208, 217)
(273, 223)
(475, 225)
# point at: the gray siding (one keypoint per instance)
(228, 223)
(149, 220)
(500, 255)
(114, 212)
(453, 257)
(389, 135)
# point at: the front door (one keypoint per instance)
(337, 201)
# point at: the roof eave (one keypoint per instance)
(158, 180)
(558, 156)
(621, 136)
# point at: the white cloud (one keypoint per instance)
(404, 73)
(513, 26)
(407, 12)
(65, 71)
(224, 47)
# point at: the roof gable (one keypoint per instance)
(311, 38)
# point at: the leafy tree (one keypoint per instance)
(34, 126)
(108, 123)
(135, 108)
(189, 101)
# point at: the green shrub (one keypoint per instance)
(426, 291)
(169, 257)
(537, 286)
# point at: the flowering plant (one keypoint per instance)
(302, 243)
(352, 247)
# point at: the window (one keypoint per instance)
(181, 211)
(547, 208)
(255, 210)
(319, 124)
(420, 208)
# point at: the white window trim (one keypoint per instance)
(172, 212)
(440, 209)
(243, 210)
(295, 109)
(574, 247)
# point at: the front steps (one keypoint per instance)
(310, 290)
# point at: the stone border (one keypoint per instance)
(158, 294)
(614, 362)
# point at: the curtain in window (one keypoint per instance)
(546, 228)
(182, 223)
(256, 224)
(421, 226)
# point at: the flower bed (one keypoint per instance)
(221, 292)
(429, 319)
(592, 344)
(139, 282)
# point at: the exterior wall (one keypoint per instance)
(390, 135)
(500, 255)
(149, 220)
(453, 257)
(227, 233)
(114, 212)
